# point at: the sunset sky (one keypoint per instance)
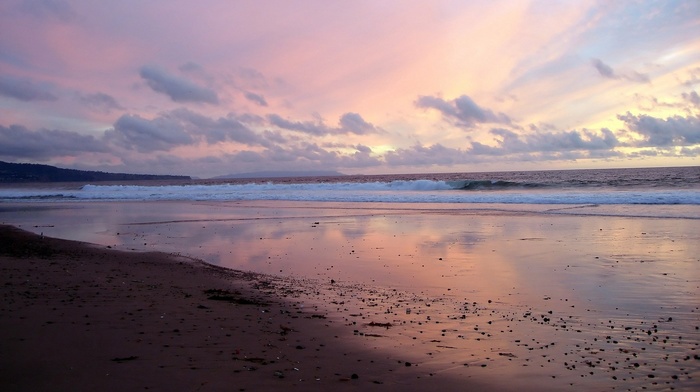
(214, 87)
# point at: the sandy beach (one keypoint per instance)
(82, 317)
(349, 299)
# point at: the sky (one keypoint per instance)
(215, 87)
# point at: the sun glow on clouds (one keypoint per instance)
(364, 86)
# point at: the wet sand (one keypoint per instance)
(80, 317)
(405, 300)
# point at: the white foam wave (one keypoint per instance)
(416, 191)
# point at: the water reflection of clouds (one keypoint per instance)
(468, 240)
(599, 258)
(592, 272)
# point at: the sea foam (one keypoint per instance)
(399, 191)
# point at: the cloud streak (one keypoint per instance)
(25, 90)
(134, 132)
(350, 123)
(658, 132)
(607, 72)
(17, 141)
(508, 142)
(463, 111)
(178, 89)
(100, 102)
(256, 98)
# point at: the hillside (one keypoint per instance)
(29, 172)
(279, 174)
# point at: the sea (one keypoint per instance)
(647, 186)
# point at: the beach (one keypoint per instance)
(81, 317)
(405, 297)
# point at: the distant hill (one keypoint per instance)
(29, 172)
(278, 174)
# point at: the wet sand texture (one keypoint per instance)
(80, 317)
(77, 316)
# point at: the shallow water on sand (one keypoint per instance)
(590, 299)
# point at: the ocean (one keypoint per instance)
(648, 186)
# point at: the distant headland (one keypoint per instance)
(30, 172)
(278, 174)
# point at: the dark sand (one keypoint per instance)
(80, 317)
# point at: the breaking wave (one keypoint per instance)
(403, 191)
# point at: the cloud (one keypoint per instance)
(252, 78)
(348, 123)
(362, 148)
(603, 69)
(635, 76)
(302, 156)
(256, 98)
(462, 110)
(58, 9)
(17, 141)
(100, 102)
(190, 67)
(692, 97)
(693, 77)
(436, 154)
(248, 157)
(181, 127)
(310, 155)
(308, 127)
(25, 90)
(573, 140)
(691, 152)
(509, 142)
(354, 123)
(179, 90)
(135, 133)
(657, 132)
(223, 129)
(607, 72)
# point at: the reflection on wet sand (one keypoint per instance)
(575, 300)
